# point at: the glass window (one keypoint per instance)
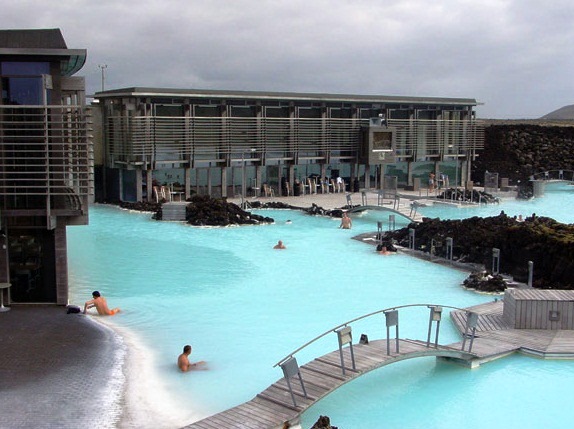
(25, 68)
(170, 110)
(22, 91)
(243, 111)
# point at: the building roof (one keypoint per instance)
(225, 94)
(541, 294)
(32, 39)
(42, 43)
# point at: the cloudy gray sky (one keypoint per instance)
(515, 56)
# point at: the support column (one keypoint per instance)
(258, 173)
(353, 177)
(61, 265)
(187, 182)
(223, 182)
(410, 173)
(121, 183)
(367, 176)
(279, 182)
(209, 181)
(139, 184)
(149, 184)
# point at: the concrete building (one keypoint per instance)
(230, 143)
(46, 162)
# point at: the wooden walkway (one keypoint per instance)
(274, 406)
(493, 339)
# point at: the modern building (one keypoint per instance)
(230, 143)
(46, 162)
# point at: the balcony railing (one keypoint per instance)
(46, 157)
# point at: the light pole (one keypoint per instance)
(103, 67)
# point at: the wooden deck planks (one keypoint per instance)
(282, 412)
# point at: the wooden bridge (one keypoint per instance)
(555, 176)
(539, 180)
(387, 201)
(300, 387)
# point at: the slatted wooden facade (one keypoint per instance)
(539, 309)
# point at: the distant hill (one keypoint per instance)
(564, 113)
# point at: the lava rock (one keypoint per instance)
(547, 243)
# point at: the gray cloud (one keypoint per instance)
(513, 56)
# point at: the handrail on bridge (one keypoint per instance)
(553, 175)
(386, 310)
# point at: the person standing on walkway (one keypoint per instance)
(431, 181)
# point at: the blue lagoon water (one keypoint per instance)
(243, 307)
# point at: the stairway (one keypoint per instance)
(174, 211)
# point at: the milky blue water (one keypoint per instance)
(244, 306)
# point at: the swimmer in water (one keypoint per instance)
(183, 360)
(279, 245)
(346, 222)
(101, 305)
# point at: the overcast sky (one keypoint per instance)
(514, 56)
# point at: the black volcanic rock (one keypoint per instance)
(517, 151)
(323, 422)
(545, 242)
(203, 210)
(142, 206)
(485, 282)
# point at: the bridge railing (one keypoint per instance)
(566, 175)
(349, 322)
(344, 335)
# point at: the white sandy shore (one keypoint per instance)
(146, 402)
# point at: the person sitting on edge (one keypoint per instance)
(183, 360)
(101, 305)
(346, 222)
(279, 245)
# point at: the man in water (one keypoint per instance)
(279, 245)
(382, 250)
(346, 222)
(101, 305)
(183, 360)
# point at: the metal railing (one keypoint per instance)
(384, 311)
(45, 151)
(565, 175)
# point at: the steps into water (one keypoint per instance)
(174, 211)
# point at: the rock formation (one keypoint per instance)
(545, 242)
(323, 422)
(517, 151)
(203, 210)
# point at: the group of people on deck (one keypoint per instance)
(443, 181)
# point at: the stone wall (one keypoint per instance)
(518, 150)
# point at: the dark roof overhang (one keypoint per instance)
(261, 95)
(72, 60)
